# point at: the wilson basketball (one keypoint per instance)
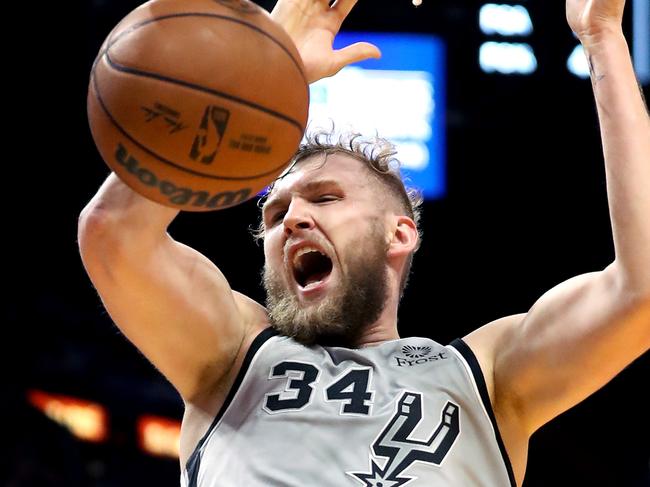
(198, 104)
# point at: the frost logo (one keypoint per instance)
(416, 355)
(415, 352)
(400, 450)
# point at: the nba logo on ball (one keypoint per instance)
(215, 118)
(210, 64)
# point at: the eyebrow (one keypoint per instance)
(309, 187)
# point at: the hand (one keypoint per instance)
(591, 19)
(312, 25)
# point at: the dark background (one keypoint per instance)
(526, 209)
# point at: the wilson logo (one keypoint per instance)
(176, 195)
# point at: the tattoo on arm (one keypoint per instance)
(592, 72)
(596, 78)
(647, 107)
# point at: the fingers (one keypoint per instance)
(359, 51)
(344, 7)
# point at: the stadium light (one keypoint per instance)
(507, 58)
(577, 62)
(505, 20)
(85, 420)
(159, 436)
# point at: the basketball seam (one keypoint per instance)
(137, 72)
(166, 161)
(205, 14)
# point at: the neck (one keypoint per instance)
(382, 330)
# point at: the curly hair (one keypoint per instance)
(378, 154)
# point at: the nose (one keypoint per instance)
(297, 217)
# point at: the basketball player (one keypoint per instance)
(317, 388)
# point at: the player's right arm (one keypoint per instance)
(312, 26)
(170, 301)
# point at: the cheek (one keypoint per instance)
(268, 254)
(363, 242)
(272, 252)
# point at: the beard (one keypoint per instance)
(340, 317)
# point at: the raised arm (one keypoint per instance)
(169, 300)
(312, 25)
(582, 333)
(172, 302)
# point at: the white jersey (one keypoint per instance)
(407, 411)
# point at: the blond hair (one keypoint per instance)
(378, 154)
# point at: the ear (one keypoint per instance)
(402, 237)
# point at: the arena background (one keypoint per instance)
(525, 209)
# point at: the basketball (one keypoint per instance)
(197, 104)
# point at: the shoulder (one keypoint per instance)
(254, 314)
(202, 410)
(485, 343)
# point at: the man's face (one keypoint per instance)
(325, 247)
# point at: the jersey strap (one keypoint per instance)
(194, 462)
(474, 366)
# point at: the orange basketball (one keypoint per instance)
(198, 104)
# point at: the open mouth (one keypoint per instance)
(311, 267)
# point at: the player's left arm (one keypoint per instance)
(583, 332)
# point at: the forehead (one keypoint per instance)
(348, 173)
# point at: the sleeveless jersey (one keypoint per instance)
(407, 411)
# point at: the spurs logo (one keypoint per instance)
(400, 450)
